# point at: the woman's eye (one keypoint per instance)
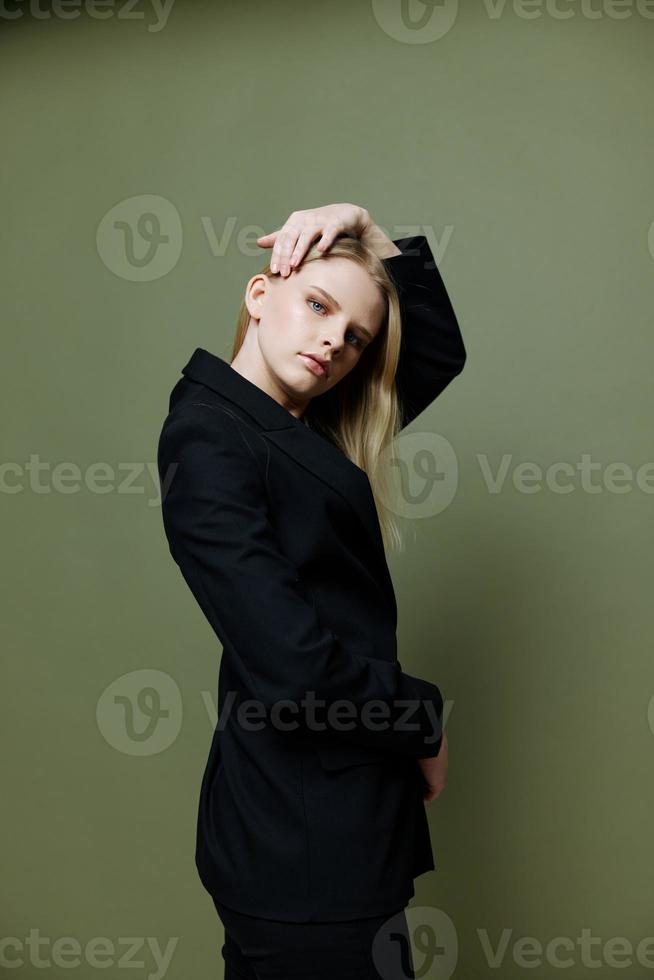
(356, 339)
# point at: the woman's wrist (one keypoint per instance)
(377, 240)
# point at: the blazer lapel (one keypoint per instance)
(295, 438)
(326, 461)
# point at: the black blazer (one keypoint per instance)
(276, 533)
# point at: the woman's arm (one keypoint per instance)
(219, 531)
(432, 352)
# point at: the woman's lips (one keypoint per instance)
(313, 365)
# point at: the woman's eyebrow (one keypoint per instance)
(335, 303)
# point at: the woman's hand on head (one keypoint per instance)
(291, 242)
(434, 771)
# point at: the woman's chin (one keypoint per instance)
(303, 381)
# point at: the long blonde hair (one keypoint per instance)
(361, 414)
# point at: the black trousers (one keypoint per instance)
(359, 949)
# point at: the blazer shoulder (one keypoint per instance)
(217, 425)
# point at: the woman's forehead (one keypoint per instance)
(346, 284)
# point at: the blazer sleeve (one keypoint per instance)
(218, 525)
(432, 352)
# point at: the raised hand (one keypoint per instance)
(291, 242)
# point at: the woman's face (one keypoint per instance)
(330, 308)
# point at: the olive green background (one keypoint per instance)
(520, 141)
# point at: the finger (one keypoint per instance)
(277, 251)
(301, 247)
(283, 250)
(267, 240)
(328, 237)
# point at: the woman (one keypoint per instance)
(311, 824)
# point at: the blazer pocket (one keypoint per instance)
(341, 755)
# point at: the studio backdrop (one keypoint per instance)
(145, 148)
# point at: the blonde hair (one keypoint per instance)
(361, 413)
